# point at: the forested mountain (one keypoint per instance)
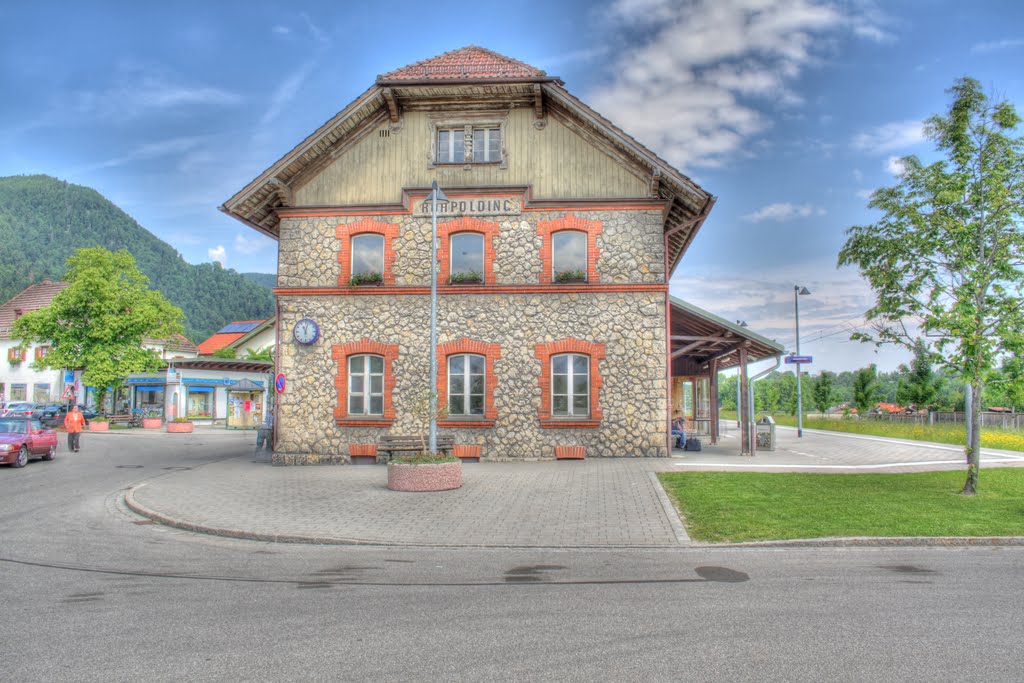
(266, 279)
(43, 220)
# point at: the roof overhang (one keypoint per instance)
(258, 203)
(700, 337)
(222, 364)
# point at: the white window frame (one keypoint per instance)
(468, 122)
(586, 253)
(570, 394)
(490, 155)
(466, 382)
(366, 394)
(352, 250)
(451, 252)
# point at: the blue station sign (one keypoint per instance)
(799, 359)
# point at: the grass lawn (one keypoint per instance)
(755, 506)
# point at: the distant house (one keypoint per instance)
(19, 381)
(241, 336)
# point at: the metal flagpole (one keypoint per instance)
(435, 196)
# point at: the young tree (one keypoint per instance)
(823, 392)
(97, 323)
(945, 259)
(865, 389)
(920, 385)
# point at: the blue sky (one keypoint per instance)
(790, 111)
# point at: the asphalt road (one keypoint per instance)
(88, 593)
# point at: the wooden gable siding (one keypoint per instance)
(555, 160)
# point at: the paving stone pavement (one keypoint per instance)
(612, 502)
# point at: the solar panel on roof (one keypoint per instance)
(235, 328)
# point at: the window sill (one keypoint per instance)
(568, 423)
(494, 162)
(454, 423)
(363, 422)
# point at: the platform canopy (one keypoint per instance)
(698, 337)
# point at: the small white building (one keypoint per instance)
(19, 381)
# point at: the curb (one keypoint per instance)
(847, 542)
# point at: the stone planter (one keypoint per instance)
(95, 426)
(442, 476)
(466, 281)
(179, 427)
(152, 422)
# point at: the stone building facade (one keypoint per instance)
(534, 361)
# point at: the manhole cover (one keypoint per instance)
(128, 467)
(177, 468)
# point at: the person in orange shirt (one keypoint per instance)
(74, 422)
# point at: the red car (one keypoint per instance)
(23, 438)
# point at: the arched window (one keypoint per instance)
(367, 254)
(568, 255)
(467, 255)
(466, 385)
(570, 385)
(365, 385)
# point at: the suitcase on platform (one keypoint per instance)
(692, 445)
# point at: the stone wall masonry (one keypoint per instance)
(630, 246)
(632, 396)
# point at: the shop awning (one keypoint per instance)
(246, 385)
(192, 389)
(151, 388)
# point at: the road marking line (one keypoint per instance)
(832, 467)
(921, 444)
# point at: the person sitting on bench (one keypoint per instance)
(678, 431)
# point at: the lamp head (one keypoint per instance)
(802, 291)
(436, 193)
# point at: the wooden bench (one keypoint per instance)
(119, 419)
(391, 444)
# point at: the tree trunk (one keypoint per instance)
(973, 447)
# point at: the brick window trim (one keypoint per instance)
(569, 222)
(490, 352)
(341, 353)
(544, 352)
(465, 224)
(346, 231)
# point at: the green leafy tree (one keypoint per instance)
(823, 392)
(98, 322)
(919, 385)
(865, 389)
(265, 353)
(225, 352)
(945, 259)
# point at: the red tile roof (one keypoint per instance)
(31, 298)
(466, 63)
(178, 342)
(222, 339)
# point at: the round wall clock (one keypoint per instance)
(306, 331)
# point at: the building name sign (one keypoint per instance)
(473, 206)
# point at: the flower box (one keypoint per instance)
(442, 476)
(152, 422)
(179, 427)
(95, 426)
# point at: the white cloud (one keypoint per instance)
(783, 211)
(285, 92)
(218, 253)
(151, 150)
(136, 90)
(864, 194)
(252, 244)
(857, 175)
(890, 137)
(281, 30)
(993, 46)
(697, 83)
(894, 165)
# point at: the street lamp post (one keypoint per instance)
(741, 323)
(798, 292)
(434, 197)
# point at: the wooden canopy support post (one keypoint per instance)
(744, 407)
(713, 399)
(538, 102)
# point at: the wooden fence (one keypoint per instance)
(995, 420)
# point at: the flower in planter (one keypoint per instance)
(469, 277)
(365, 279)
(180, 420)
(571, 276)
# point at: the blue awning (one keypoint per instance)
(151, 388)
(200, 390)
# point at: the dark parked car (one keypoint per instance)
(54, 413)
(18, 409)
(22, 438)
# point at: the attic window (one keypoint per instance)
(469, 144)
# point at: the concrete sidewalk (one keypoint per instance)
(598, 503)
